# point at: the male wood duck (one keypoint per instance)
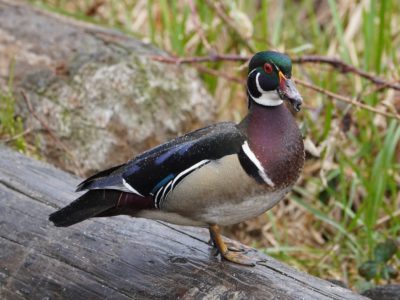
(222, 174)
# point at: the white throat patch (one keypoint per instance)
(267, 98)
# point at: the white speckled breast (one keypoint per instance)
(203, 196)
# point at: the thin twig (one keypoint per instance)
(219, 74)
(17, 136)
(345, 68)
(309, 86)
(51, 133)
(232, 57)
(199, 59)
(333, 62)
(378, 88)
(346, 99)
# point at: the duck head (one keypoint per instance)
(269, 80)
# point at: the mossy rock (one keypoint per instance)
(100, 92)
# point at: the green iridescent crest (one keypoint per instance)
(280, 60)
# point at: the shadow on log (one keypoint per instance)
(120, 257)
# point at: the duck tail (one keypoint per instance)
(90, 204)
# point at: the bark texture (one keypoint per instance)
(120, 257)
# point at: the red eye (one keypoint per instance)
(267, 68)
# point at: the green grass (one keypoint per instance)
(11, 126)
(356, 184)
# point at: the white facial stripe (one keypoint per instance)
(250, 154)
(267, 98)
(259, 88)
(130, 188)
(251, 72)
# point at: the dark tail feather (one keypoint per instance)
(90, 204)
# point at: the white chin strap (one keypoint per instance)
(267, 98)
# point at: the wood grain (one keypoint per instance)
(120, 257)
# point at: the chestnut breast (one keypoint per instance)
(275, 139)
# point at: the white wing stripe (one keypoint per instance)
(156, 202)
(165, 190)
(195, 166)
(164, 197)
(130, 188)
(250, 154)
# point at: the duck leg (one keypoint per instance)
(231, 245)
(231, 255)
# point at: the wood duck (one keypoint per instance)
(222, 174)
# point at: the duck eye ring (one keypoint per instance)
(268, 68)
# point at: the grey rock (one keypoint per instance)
(99, 92)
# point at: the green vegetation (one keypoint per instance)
(11, 126)
(348, 200)
(378, 267)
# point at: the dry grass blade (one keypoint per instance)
(220, 9)
(17, 136)
(199, 29)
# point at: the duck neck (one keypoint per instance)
(275, 140)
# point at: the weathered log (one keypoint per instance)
(120, 257)
(98, 90)
(383, 292)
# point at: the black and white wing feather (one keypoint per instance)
(157, 171)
